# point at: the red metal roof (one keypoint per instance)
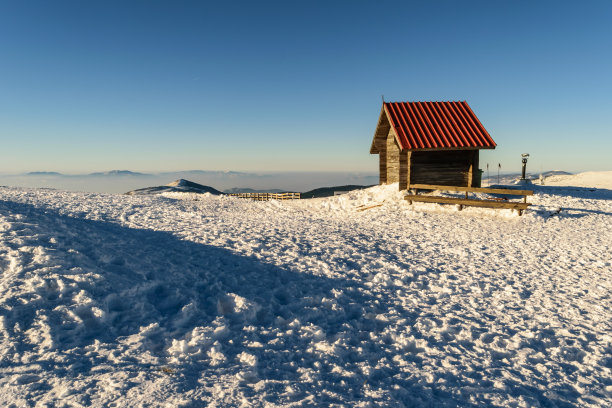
(437, 125)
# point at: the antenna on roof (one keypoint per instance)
(383, 98)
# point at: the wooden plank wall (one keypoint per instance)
(404, 169)
(445, 167)
(392, 159)
(382, 165)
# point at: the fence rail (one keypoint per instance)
(267, 196)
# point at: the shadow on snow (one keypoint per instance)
(144, 278)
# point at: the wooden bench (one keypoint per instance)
(519, 206)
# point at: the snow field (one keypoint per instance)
(193, 300)
(589, 179)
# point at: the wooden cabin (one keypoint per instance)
(429, 143)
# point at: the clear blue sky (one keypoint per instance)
(287, 85)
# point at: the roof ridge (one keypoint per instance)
(430, 101)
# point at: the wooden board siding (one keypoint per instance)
(445, 167)
(392, 159)
(382, 165)
(404, 169)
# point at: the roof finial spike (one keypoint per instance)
(383, 98)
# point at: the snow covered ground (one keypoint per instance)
(196, 300)
(601, 179)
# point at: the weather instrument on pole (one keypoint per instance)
(525, 156)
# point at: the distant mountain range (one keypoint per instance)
(43, 173)
(110, 173)
(128, 173)
(118, 173)
(121, 173)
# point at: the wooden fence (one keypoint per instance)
(267, 196)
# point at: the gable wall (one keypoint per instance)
(392, 159)
(382, 164)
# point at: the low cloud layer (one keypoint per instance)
(123, 181)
